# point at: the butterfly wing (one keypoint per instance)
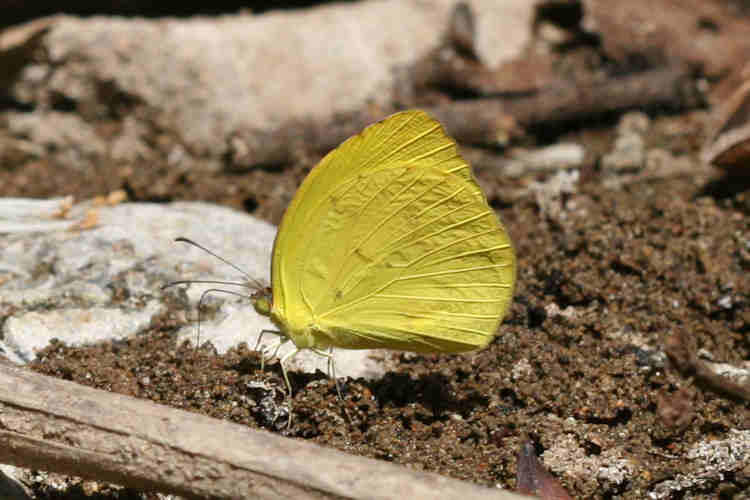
(390, 243)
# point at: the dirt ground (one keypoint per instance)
(608, 282)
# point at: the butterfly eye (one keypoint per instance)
(261, 303)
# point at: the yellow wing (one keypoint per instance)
(389, 242)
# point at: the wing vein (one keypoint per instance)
(394, 212)
(392, 247)
(422, 336)
(412, 140)
(437, 150)
(426, 223)
(503, 246)
(353, 245)
(365, 165)
(448, 245)
(369, 296)
(447, 228)
(451, 271)
(432, 314)
(440, 299)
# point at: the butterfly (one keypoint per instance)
(390, 243)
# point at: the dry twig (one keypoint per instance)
(60, 426)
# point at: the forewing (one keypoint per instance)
(409, 138)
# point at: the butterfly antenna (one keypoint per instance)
(203, 282)
(249, 278)
(200, 306)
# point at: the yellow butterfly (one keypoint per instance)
(390, 243)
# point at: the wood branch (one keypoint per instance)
(672, 88)
(491, 121)
(473, 120)
(63, 427)
(684, 358)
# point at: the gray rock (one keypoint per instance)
(60, 282)
(205, 86)
(614, 465)
(205, 78)
(564, 155)
(711, 459)
(28, 332)
(56, 131)
(629, 152)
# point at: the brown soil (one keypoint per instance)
(656, 264)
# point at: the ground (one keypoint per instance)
(610, 279)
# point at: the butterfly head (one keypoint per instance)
(262, 301)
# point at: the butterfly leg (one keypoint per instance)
(260, 337)
(331, 368)
(283, 361)
(264, 331)
(266, 354)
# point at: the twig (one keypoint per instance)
(60, 426)
(684, 359)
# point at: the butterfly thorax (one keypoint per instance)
(304, 333)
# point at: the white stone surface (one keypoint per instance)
(134, 246)
(26, 333)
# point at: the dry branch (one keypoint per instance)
(487, 121)
(684, 358)
(60, 426)
(472, 120)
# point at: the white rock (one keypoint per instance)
(134, 247)
(26, 333)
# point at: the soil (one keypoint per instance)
(606, 285)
